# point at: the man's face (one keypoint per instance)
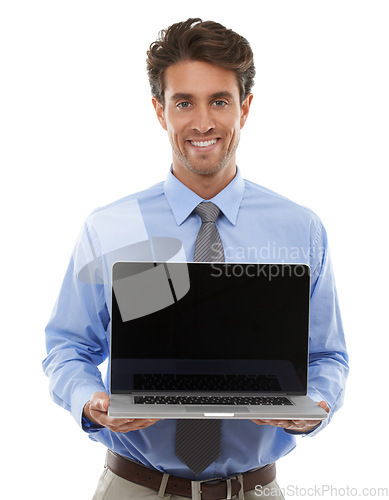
(202, 116)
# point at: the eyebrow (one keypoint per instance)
(183, 95)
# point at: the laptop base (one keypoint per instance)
(302, 408)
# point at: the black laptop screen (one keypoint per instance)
(207, 326)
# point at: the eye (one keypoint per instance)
(219, 103)
(183, 105)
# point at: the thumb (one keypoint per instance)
(324, 405)
(100, 401)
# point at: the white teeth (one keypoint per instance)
(203, 144)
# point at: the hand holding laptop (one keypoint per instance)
(302, 426)
(96, 410)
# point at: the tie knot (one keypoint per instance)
(207, 211)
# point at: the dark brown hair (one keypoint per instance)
(198, 40)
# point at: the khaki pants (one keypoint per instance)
(112, 487)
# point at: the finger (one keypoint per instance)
(305, 422)
(99, 402)
(299, 425)
(275, 423)
(132, 424)
(285, 424)
(142, 423)
(289, 424)
(324, 405)
(112, 423)
(258, 421)
(302, 423)
(134, 427)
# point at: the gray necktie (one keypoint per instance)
(198, 441)
(208, 247)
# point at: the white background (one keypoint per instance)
(78, 131)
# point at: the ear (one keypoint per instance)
(159, 112)
(245, 110)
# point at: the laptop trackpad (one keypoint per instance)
(217, 409)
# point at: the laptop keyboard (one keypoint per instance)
(214, 383)
(213, 400)
(201, 383)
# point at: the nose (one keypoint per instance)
(202, 120)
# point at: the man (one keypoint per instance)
(201, 75)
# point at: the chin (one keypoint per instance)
(206, 168)
(206, 171)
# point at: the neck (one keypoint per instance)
(205, 185)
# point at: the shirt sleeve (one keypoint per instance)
(76, 335)
(328, 358)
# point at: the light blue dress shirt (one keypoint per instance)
(255, 225)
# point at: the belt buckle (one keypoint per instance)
(196, 486)
(196, 490)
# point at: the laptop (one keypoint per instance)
(210, 340)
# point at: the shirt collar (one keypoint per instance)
(183, 200)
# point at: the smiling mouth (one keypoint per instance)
(204, 144)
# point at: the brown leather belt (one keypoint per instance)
(214, 489)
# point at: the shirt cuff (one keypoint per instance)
(79, 399)
(89, 426)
